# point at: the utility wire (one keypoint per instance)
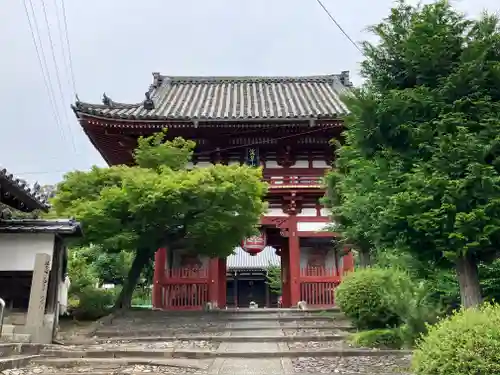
(339, 27)
(68, 45)
(42, 62)
(58, 79)
(62, 44)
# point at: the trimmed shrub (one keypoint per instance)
(388, 338)
(91, 303)
(466, 343)
(363, 298)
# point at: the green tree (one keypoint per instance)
(421, 154)
(273, 279)
(159, 202)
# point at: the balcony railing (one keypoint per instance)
(286, 182)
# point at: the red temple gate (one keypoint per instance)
(282, 124)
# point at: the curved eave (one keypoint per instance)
(99, 115)
(19, 196)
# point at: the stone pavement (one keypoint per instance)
(241, 342)
(250, 366)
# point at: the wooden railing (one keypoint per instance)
(283, 182)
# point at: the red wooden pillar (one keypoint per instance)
(222, 283)
(285, 279)
(213, 280)
(158, 277)
(294, 261)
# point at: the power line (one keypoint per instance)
(62, 43)
(68, 44)
(58, 79)
(42, 62)
(339, 27)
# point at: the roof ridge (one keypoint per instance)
(309, 78)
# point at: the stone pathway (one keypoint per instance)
(284, 342)
(250, 366)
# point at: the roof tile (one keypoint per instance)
(63, 227)
(233, 98)
(241, 260)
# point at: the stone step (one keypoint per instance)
(274, 338)
(205, 354)
(286, 318)
(138, 332)
(15, 361)
(110, 363)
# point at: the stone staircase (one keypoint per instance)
(235, 342)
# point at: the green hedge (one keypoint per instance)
(466, 343)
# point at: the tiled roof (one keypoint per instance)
(62, 227)
(30, 198)
(241, 260)
(231, 98)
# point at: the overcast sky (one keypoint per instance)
(117, 44)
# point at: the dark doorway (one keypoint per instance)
(251, 290)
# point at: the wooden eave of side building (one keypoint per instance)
(61, 228)
(16, 194)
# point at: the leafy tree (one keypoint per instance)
(273, 279)
(159, 202)
(419, 170)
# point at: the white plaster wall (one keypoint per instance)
(320, 164)
(301, 164)
(309, 211)
(275, 212)
(18, 250)
(311, 226)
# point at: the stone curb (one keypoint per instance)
(15, 362)
(275, 338)
(142, 333)
(286, 318)
(131, 361)
(200, 354)
(237, 311)
(8, 349)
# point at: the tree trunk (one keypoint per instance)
(468, 280)
(124, 300)
(364, 258)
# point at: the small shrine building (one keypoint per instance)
(285, 125)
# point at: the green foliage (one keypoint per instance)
(160, 203)
(273, 279)
(466, 343)
(419, 170)
(91, 303)
(387, 338)
(362, 297)
(80, 271)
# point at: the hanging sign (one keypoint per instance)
(255, 244)
(252, 157)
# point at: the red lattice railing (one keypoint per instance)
(282, 182)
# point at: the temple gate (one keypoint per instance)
(282, 124)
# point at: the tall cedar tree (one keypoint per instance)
(419, 170)
(159, 202)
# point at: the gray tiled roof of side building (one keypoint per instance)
(67, 227)
(232, 98)
(31, 198)
(241, 260)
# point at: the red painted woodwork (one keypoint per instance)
(294, 261)
(288, 182)
(159, 272)
(318, 294)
